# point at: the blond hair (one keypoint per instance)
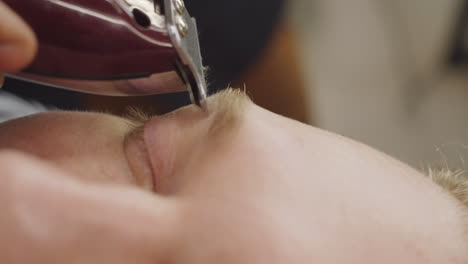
(227, 108)
(454, 182)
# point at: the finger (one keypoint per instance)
(2, 80)
(58, 220)
(17, 42)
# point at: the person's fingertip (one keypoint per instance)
(16, 56)
(12, 160)
(18, 44)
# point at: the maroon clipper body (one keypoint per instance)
(114, 47)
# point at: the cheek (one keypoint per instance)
(96, 168)
(99, 160)
(94, 155)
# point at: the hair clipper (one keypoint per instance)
(114, 47)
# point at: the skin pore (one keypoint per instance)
(249, 186)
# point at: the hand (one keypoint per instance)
(48, 217)
(17, 42)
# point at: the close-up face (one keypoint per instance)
(250, 186)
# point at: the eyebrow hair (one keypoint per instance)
(227, 108)
(136, 117)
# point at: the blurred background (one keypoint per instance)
(389, 73)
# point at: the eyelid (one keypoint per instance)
(135, 149)
(138, 158)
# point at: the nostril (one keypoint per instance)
(141, 18)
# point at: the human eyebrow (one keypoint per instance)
(136, 118)
(227, 110)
